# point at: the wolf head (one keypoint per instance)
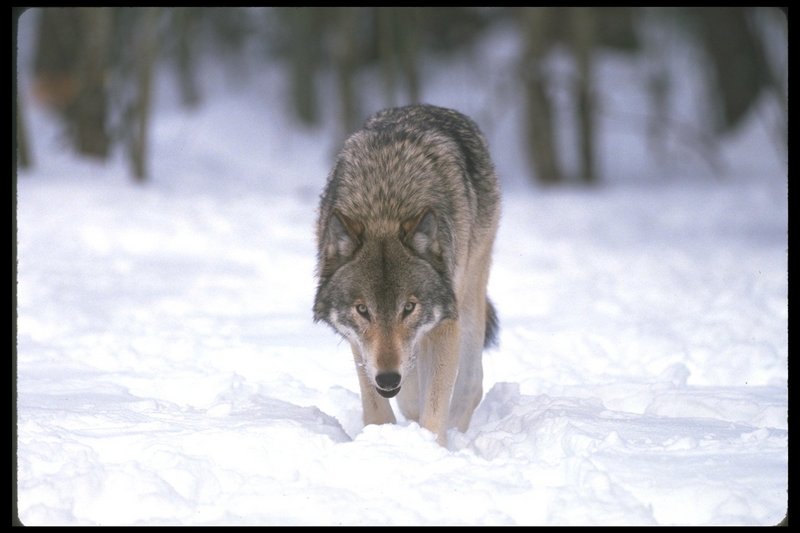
(383, 293)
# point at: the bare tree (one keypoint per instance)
(582, 26)
(304, 29)
(185, 21)
(91, 108)
(345, 59)
(399, 31)
(146, 46)
(24, 159)
(539, 108)
(70, 72)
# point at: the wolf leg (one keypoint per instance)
(468, 389)
(408, 397)
(376, 409)
(438, 367)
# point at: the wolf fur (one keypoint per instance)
(406, 225)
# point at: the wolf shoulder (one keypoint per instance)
(408, 159)
(421, 119)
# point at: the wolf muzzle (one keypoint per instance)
(388, 384)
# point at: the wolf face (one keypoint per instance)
(385, 295)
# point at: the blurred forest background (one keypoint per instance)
(96, 66)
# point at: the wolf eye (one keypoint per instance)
(408, 308)
(362, 310)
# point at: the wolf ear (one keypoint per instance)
(420, 234)
(342, 239)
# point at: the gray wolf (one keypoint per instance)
(406, 225)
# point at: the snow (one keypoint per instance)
(168, 370)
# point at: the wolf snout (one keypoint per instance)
(388, 384)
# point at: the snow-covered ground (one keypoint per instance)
(168, 370)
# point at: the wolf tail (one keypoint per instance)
(490, 339)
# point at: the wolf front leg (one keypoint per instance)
(376, 409)
(468, 389)
(438, 368)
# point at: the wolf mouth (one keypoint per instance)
(391, 393)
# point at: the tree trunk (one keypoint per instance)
(23, 150)
(186, 33)
(89, 113)
(303, 58)
(145, 58)
(539, 109)
(409, 49)
(387, 52)
(582, 21)
(346, 61)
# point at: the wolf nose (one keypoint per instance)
(388, 384)
(388, 380)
